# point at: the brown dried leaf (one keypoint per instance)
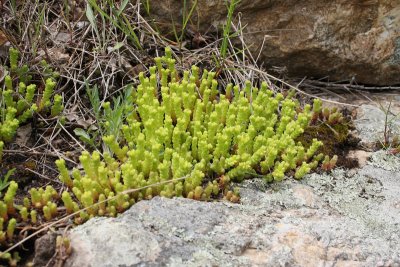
(3, 38)
(55, 54)
(84, 123)
(71, 117)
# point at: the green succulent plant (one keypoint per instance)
(181, 135)
(18, 102)
(187, 126)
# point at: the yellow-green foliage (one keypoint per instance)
(12, 214)
(183, 126)
(176, 126)
(8, 221)
(17, 101)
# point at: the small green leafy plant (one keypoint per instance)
(108, 121)
(4, 182)
(391, 135)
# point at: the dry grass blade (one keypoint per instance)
(339, 86)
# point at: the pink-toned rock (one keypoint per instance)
(305, 195)
(339, 39)
(306, 250)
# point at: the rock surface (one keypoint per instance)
(45, 248)
(347, 218)
(338, 39)
(371, 120)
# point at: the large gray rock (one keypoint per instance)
(347, 218)
(338, 39)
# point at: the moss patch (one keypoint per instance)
(336, 138)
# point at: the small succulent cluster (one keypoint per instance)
(330, 116)
(183, 126)
(18, 102)
(40, 204)
(8, 221)
(332, 120)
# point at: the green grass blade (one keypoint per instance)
(92, 20)
(123, 6)
(131, 33)
(227, 27)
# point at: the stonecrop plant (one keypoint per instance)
(176, 135)
(18, 101)
(184, 126)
